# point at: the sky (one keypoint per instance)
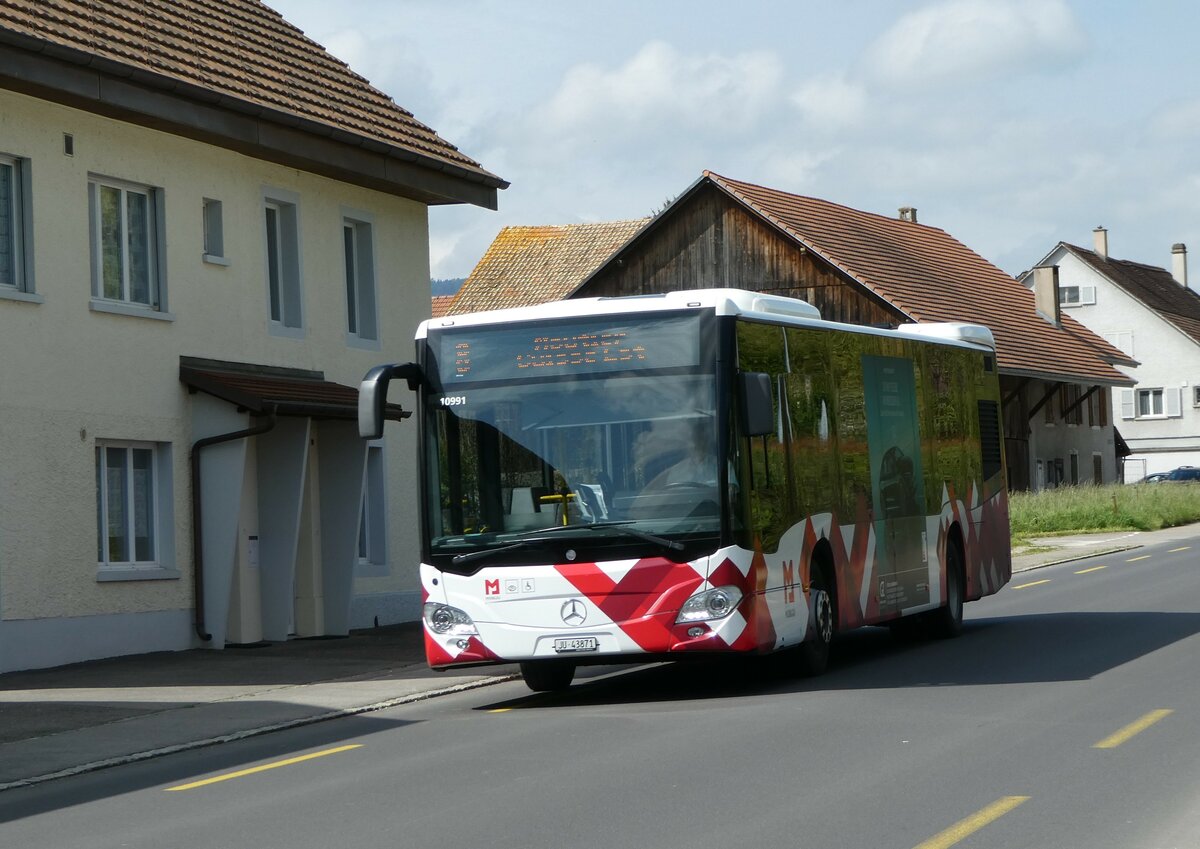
(1010, 124)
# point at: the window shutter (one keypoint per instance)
(1087, 294)
(1173, 401)
(1127, 404)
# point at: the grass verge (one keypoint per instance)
(1080, 509)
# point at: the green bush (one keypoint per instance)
(1078, 509)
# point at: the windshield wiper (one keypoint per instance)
(459, 559)
(619, 527)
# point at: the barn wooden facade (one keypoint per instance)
(713, 241)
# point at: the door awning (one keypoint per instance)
(284, 391)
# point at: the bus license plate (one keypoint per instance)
(575, 644)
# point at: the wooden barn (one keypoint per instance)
(871, 269)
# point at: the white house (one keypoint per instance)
(1154, 316)
(209, 230)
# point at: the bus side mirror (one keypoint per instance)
(758, 417)
(372, 395)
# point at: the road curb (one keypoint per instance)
(135, 757)
(1070, 559)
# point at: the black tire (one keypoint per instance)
(547, 676)
(946, 621)
(814, 652)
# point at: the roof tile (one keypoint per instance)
(242, 49)
(532, 265)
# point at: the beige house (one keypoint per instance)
(209, 230)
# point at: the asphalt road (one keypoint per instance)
(1065, 716)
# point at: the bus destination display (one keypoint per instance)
(503, 353)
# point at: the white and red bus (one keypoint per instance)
(646, 478)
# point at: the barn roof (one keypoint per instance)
(924, 273)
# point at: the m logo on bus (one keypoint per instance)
(491, 587)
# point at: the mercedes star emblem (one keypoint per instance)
(573, 612)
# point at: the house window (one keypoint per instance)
(1196, 396)
(1149, 402)
(14, 230)
(1075, 296)
(282, 241)
(1122, 340)
(127, 504)
(1152, 403)
(125, 223)
(358, 250)
(372, 524)
(214, 232)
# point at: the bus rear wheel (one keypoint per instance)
(548, 676)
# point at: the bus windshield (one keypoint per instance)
(600, 456)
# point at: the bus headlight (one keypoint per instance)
(444, 619)
(716, 603)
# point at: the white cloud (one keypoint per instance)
(832, 101)
(974, 39)
(661, 89)
(1177, 121)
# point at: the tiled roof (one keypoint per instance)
(440, 304)
(221, 51)
(533, 265)
(930, 276)
(1153, 286)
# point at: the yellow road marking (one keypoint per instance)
(499, 710)
(966, 827)
(1132, 728)
(1134, 559)
(1174, 550)
(1093, 569)
(1031, 584)
(265, 767)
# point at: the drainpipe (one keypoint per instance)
(197, 541)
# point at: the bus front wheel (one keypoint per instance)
(948, 619)
(814, 652)
(547, 676)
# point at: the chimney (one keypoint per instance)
(1179, 263)
(908, 213)
(1045, 293)
(1100, 235)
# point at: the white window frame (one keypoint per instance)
(281, 263)
(20, 238)
(123, 301)
(358, 253)
(1076, 296)
(1150, 403)
(159, 562)
(372, 518)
